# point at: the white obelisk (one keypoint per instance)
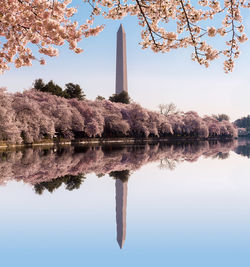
(121, 189)
(121, 62)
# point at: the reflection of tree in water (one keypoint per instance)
(221, 155)
(168, 164)
(3, 156)
(71, 181)
(121, 175)
(243, 150)
(100, 175)
(40, 166)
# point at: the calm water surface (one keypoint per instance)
(144, 205)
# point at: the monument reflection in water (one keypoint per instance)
(121, 190)
(48, 169)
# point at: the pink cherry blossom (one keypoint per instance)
(29, 24)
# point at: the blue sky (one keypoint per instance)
(152, 78)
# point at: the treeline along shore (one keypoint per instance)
(33, 116)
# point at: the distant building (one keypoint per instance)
(121, 62)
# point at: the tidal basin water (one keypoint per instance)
(182, 204)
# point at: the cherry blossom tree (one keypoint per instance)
(8, 128)
(137, 118)
(166, 25)
(34, 116)
(33, 125)
(114, 124)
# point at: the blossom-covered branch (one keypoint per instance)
(192, 24)
(48, 24)
(45, 24)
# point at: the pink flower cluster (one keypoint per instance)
(191, 23)
(47, 24)
(40, 23)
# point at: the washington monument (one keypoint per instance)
(121, 85)
(121, 62)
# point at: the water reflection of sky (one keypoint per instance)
(196, 215)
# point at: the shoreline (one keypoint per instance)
(114, 141)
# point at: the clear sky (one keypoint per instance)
(152, 78)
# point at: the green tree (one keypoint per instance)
(71, 181)
(123, 97)
(73, 91)
(243, 122)
(50, 87)
(122, 175)
(39, 84)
